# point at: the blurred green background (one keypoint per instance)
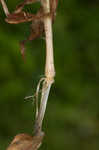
(72, 115)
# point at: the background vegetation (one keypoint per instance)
(72, 116)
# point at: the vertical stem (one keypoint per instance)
(43, 104)
(49, 66)
(44, 100)
(5, 7)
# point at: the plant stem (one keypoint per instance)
(5, 7)
(49, 66)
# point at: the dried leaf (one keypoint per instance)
(26, 142)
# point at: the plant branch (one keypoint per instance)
(6, 11)
(49, 66)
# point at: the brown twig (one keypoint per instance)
(5, 8)
(24, 141)
(49, 66)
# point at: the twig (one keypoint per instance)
(24, 141)
(49, 67)
(5, 8)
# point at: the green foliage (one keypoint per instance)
(72, 114)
